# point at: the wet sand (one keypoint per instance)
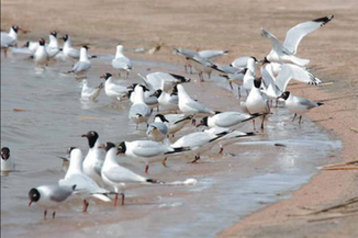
(236, 27)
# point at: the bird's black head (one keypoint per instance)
(92, 137)
(157, 93)
(121, 149)
(265, 61)
(175, 90)
(34, 195)
(244, 70)
(109, 145)
(162, 117)
(86, 47)
(204, 122)
(65, 37)
(42, 41)
(27, 44)
(285, 95)
(5, 153)
(257, 83)
(144, 87)
(70, 150)
(15, 28)
(254, 58)
(54, 33)
(106, 76)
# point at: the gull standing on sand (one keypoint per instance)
(117, 176)
(257, 102)
(50, 196)
(41, 56)
(83, 65)
(139, 112)
(84, 184)
(7, 163)
(121, 62)
(285, 52)
(88, 93)
(93, 162)
(298, 105)
(188, 105)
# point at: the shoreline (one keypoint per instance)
(331, 50)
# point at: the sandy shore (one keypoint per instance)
(235, 26)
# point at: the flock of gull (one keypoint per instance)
(98, 175)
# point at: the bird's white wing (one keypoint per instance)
(139, 108)
(74, 53)
(122, 63)
(276, 44)
(147, 148)
(119, 174)
(81, 66)
(291, 71)
(240, 62)
(193, 140)
(6, 40)
(296, 33)
(195, 106)
(227, 119)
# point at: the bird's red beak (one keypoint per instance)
(30, 203)
(84, 135)
(102, 76)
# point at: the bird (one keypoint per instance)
(298, 105)
(93, 161)
(121, 62)
(249, 77)
(285, 52)
(167, 101)
(257, 102)
(85, 186)
(52, 48)
(139, 111)
(50, 196)
(227, 119)
(113, 90)
(174, 122)
(83, 65)
(149, 98)
(68, 51)
(233, 74)
(117, 176)
(187, 54)
(155, 80)
(157, 131)
(88, 93)
(188, 105)
(40, 56)
(9, 39)
(7, 163)
(147, 150)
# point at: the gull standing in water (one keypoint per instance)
(285, 52)
(9, 39)
(298, 105)
(117, 176)
(88, 93)
(7, 163)
(84, 184)
(41, 56)
(68, 51)
(113, 90)
(121, 62)
(50, 196)
(83, 65)
(257, 102)
(139, 112)
(52, 48)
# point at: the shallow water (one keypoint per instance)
(252, 174)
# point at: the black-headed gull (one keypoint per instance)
(50, 196)
(139, 111)
(89, 93)
(9, 39)
(285, 52)
(117, 176)
(40, 56)
(227, 119)
(81, 67)
(147, 150)
(155, 80)
(68, 51)
(93, 161)
(298, 105)
(85, 186)
(157, 131)
(121, 62)
(167, 101)
(257, 102)
(7, 163)
(189, 106)
(174, 122)
(149, 98)
(52, 48)
(112, 89)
